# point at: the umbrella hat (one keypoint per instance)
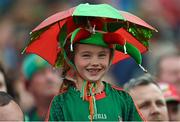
(50, 36)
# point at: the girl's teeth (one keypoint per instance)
(93, 71)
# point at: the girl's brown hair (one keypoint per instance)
(66, 68)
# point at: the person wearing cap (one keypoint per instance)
(172, 100)
(148, 97)
(83, 95)
(43, 82)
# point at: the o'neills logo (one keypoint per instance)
(98, 116)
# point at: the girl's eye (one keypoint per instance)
(85, 55)
(102, 55)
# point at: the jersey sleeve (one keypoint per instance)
(129, 109)
(133, 113)
(55, 112)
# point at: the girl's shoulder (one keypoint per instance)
(117, 88)
(120, 91)
(60, 96)
(124, 97)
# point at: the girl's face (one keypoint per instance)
(91, 61)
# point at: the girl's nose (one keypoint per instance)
(95, 61)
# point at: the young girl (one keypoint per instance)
(83, 95)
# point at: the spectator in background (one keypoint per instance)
(3, 86)
(172, 100)
(148, 97)
(6, 85)
(42, 82)
(9, 109)
(168, 69)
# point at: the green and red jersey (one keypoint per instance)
(112, 105)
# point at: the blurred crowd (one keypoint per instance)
(19, 17)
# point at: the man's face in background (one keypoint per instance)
(150, 101)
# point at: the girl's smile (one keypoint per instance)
(94, 71)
